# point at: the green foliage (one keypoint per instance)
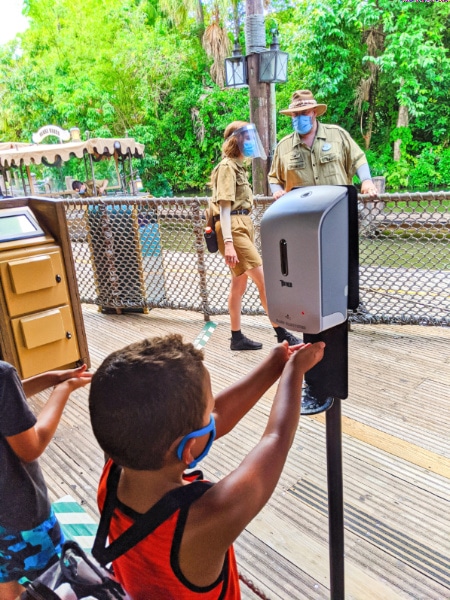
(137, 68)
(191, 132)
(380, 160)
(430, 169)
(444, 168)
(399, 52)
(149, 168)
(424, 173)
(397, 174)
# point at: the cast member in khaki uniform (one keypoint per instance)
(231, 202)
(230, 184)
(86, 188)
(317, 154)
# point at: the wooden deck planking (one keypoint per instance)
(395, 452)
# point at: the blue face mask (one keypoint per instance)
(211, 429)
(248, 148)
(302, 124)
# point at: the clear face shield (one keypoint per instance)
(249, 142)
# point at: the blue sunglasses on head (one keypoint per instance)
(211, 429)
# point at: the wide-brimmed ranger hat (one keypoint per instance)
(303, 100)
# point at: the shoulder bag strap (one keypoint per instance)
(146, 523)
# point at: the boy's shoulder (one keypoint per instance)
(180, 496)
(134, 527)
(13, 404)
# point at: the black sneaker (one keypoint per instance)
(289, 337)
(311, 405)
(245, 344)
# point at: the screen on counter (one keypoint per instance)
(18, 226)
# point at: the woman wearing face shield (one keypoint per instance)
(232, 202)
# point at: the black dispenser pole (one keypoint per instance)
(335, 500)
(328, 380)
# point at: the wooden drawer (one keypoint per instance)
(45, 340)
(34, 283)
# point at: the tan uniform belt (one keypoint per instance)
(244, 211)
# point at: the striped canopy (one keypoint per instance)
(15, 154)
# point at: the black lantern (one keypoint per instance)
(236, 68)
(273, 63)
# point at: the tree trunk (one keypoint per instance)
(372, 108)
(402, 121)
(200, 14)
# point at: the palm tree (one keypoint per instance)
(178, 11)
(215, 39)
(217, 46)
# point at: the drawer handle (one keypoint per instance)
(58, 278)
(68, 335)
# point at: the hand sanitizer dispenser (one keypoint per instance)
(305, 250)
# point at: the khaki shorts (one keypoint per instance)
(243, 234)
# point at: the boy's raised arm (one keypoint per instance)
(234, 402)
(235, 500)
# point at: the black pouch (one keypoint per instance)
(211, 239)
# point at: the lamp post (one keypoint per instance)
(259, 70)
(273, 63)
(236, 68)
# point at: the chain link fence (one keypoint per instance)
(133, 254)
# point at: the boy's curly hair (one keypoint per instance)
(144, 397)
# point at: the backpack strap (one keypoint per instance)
(144, 525)
(35, 590)
(72, 556)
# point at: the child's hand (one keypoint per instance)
(280, 354)
(306, 356)
(78, 372)
(38, 383)
(75, 378)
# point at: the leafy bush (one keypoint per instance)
(424, 174)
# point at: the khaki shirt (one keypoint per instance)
(332, 160)
(230, 183)
(89, 193)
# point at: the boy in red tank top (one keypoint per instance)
(153, 412)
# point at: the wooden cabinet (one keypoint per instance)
(39, 331)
